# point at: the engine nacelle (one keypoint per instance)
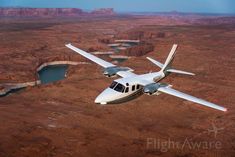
(112, 71)
(152, 88)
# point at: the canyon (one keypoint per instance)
(53, 12)
(61, 118)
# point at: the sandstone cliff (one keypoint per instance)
(51, 12)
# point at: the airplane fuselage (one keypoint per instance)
(126, 89)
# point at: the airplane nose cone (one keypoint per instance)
(106, 96)
(98, 100)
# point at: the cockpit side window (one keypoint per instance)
(133, 87)
(113, 85)
(138, 86)
(127, 90)
(119, 88)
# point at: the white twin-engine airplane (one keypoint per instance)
(132, 85)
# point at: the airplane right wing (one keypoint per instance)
(125, 72)
(179, 94)
(91, 57)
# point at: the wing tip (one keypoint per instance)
(222, 109)
(69, 44)
(175, 45)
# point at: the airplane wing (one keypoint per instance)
(179, 94)
(99, 61)
(91, 57)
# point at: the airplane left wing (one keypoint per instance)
(122, 72)
(91, 57)
(179, 94)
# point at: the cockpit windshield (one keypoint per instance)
(117, 87)
(113, 85)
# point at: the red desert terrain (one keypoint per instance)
(61, 119)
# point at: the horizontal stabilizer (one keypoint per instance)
(179, 72)
(160, 65)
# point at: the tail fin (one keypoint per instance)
(170, 58)
(166, 67)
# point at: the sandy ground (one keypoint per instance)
(61, 119)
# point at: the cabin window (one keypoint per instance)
(127, 90)
(113, 85)
(133, 87)
(119, 88)
(138, 87)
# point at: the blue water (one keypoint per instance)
(52, 73)
(116, 50)
(119, 60)
(49, 74)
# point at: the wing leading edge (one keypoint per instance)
(99, 61)
(179, 94)
(91, 57)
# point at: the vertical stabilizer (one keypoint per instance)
(170, 58)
